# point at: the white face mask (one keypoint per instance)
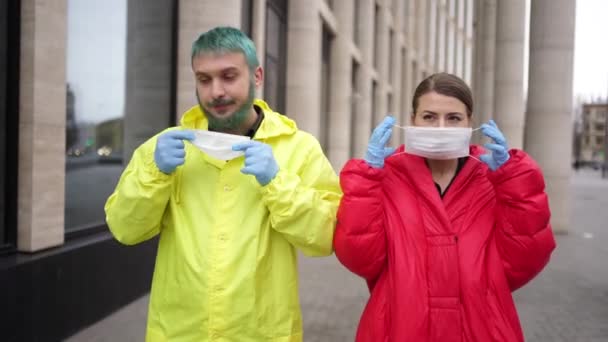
(438, 142)
(218, 145)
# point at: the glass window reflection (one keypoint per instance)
(95, 98)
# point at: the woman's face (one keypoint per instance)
(436, 110)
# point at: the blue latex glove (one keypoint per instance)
(259, 161)
(499, 151)
(376, 148)
(170, 152)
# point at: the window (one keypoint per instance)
(374, 103)
(391, 37)
(118, 95)
(95, 100)
(600, 127)
(375, 36)
(276, 54)
(404, 79)
(599, 141)
(354, 102)
(415, 79)
(9, 75)
(325, 85)
(356, 21)
(246, 14)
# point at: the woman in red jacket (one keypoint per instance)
(441, 238)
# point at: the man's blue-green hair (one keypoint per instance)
(223, 40)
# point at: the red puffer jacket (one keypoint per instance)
(443, 269)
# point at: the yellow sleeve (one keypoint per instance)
(134, 211)
(303, 206)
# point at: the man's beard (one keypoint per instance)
(232, 121)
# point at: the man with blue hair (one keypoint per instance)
(233, 192)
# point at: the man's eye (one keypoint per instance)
(230, 76)
(455, 118)
(427, 117)
(204, 80)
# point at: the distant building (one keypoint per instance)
(593, 133)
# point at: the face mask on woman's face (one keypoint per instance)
(437, 142)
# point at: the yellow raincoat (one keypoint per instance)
(226, 267)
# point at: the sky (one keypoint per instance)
(97, 33)
(96, 57)
(591, 48)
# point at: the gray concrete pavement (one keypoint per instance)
(567, 302)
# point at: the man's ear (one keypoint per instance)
(258, 74)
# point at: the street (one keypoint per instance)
(568, 301)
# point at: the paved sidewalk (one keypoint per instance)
(567, 302)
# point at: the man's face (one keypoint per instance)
(225, 88)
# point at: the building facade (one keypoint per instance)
(83, 83)
(593, 135)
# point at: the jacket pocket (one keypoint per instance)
(445, 325)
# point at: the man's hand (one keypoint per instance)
(170, 152)
(259, 161)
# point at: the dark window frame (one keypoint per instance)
(325, 87)
(11, 113)
(247, 17)
(280, 7)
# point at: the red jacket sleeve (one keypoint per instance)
(524, 237)
(360, 242)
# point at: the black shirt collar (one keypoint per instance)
(461, 162)
(256, 125)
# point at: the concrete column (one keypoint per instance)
(396, 69)
(258, 33)
(441, 37)
(363, 109)
(462, 38)
(148, 107)
(304, 65)
(196, 17)
(340, 115)
(468, 48)
(485, 46)
(382, 65)
(432, 35)
(450, 38)
(422, 38)
(414, 51)
(509, 84)
(407, 91)
(42, 119)
(548, 136)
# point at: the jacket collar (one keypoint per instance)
(273, 125)
(420, 178)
